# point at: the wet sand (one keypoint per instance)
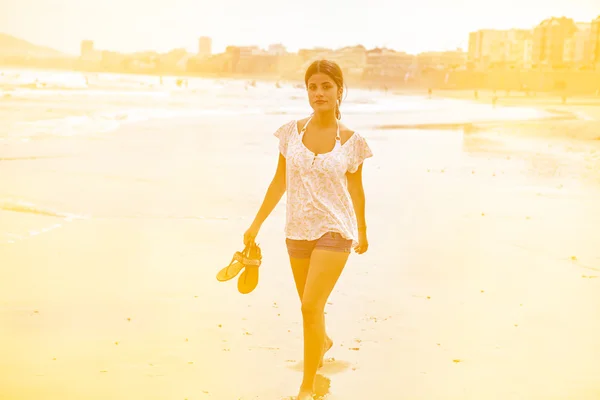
(482, 280)
(578, 118)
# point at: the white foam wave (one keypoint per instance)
(36, 79)
(20, 206)
(31, 208)
(107, 122)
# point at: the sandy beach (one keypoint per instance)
(482, 280)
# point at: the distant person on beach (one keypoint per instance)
(320, 166)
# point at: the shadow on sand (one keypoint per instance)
(322, 383)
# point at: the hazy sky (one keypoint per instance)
(131, 25)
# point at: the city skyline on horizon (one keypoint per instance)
(134, 27)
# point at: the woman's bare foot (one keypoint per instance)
(328, 345)
(305, 395)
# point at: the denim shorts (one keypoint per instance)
(332, 241)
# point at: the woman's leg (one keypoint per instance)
(324, 269)
(300, 270)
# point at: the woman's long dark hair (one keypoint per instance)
(331, 69)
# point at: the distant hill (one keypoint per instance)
(12, 46)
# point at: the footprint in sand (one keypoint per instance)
(322, 388)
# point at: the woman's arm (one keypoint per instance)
(274, 193)
(357, 193)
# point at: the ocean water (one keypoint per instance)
(70, 142)
(43, 104)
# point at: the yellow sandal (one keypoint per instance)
(249, 259)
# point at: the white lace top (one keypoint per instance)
(318, 200)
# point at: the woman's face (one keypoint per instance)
(322, 92)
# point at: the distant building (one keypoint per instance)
(528, 53)
(487, 48)
(474, 50)
(248, 51)
(144, 61)
(595, 43)
(232, 59)
(492, 48)
(112, 60)
(175, 60)
(383, 62)
(310, 55)
(244, 51)
(577, 51)
(204, 46)
(88, 53)
(441, 60)
(277, 50)
(250, 59)
(519, 44)
(549, 39)
(288, 64)
(352, 59)
(87, 46)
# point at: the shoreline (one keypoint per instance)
(577, 118)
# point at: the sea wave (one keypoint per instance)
(21, 206)
(35, 79)
(28, 92)
(102, 123)
(49, 220)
